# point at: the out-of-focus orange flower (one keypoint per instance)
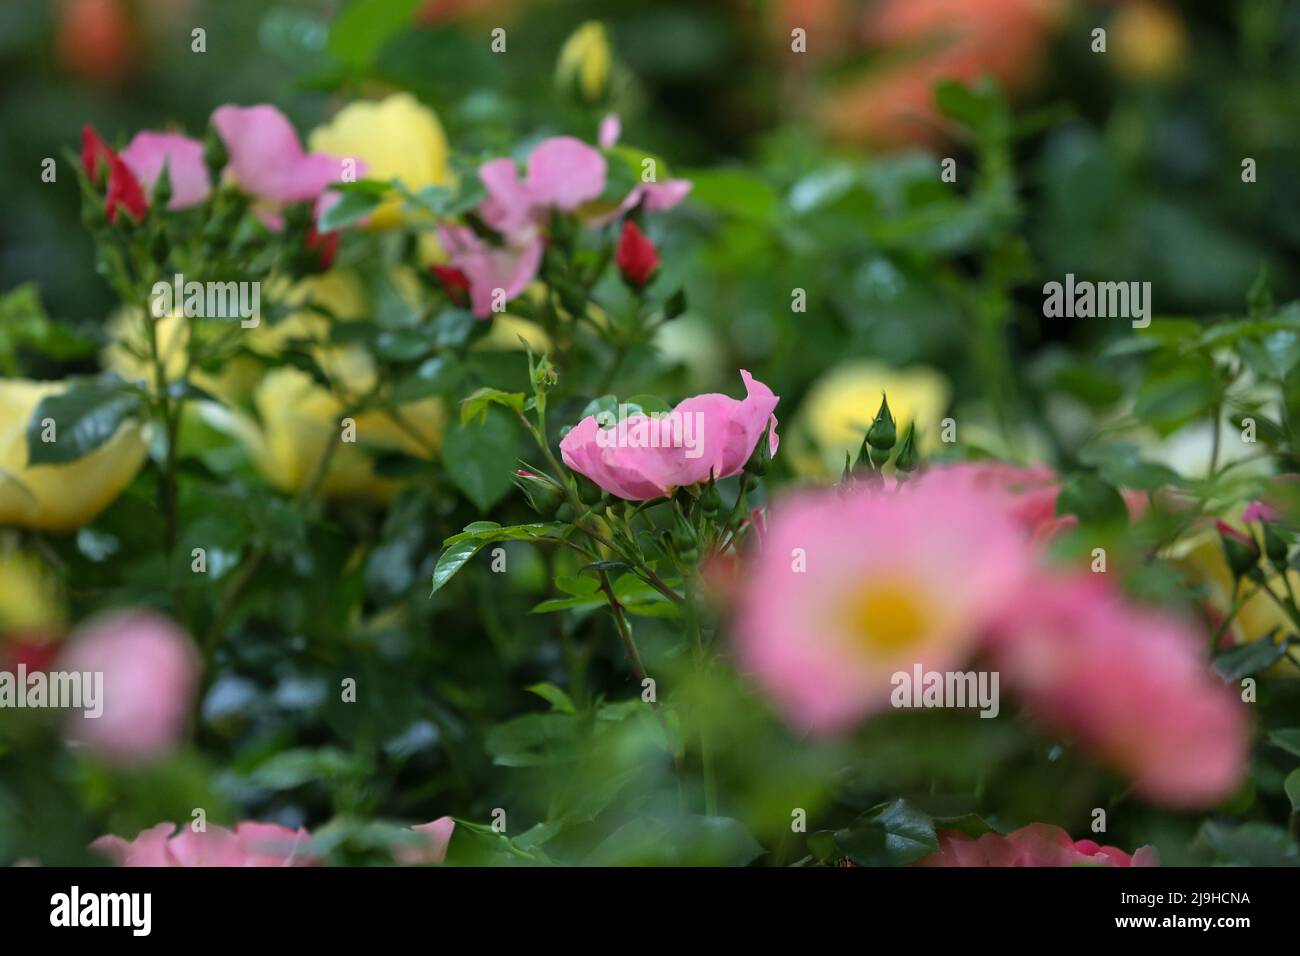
(943, 40)
(95, 40)
(922, 42)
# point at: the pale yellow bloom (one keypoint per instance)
(1149, 41)
(1200, 557)
(59, 497)
(585, 61)
(298, 420)
(30, 599)
(507, 331)
(128, 352)
(396, 138)
(838, 410)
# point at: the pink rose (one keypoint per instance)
(1038, 844)
(563, 174)
(1130, 685)
(850, 589)
(644, 457)
(150, 671)
(654, 197)
(435, 837)
(1030, 495)
(249, 844)
(488, 268)
(266, 160)
(148, 152)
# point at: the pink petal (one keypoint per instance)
(436, 838)
(611, 128)
(147, 153)
(660, 197)
(565, 173)
(509, 206)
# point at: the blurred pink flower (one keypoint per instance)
(1260, 511)
(250, 844)
(436, 836)
(609, 131)
(717, 435)
(653, 197)
(1029, 495)
(849, 589)
(1038, 844)
(147, 153)
(563, 173)
(488, 268)
(267, 161)
(150, 673)
(1130, 685)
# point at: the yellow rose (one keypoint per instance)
(58, 497)
(128, 352)
(506, 332)
(585, 62)
(298, 420)
(30, 599)
(838, 410)
(1150, 41)
(338, 293)
(397, 138)
(1200, 557)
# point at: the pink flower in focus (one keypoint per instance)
(849, 589)
(488, 268)
(150, 671)
(432, 848)
(249, 844)
(1038, 844)
(563, 174)
(148, 152)
(1130, 685)
(722, 431)
(266, 159)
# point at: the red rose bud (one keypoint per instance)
(124, 191)
(454, 282)
(93, 149)
(324, 244)
(636, 255)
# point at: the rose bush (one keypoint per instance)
(426, 466)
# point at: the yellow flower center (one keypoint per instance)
(886, 617)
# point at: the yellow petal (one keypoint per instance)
(58, 497)
(396, 138)
(839, 408)
(30, 599)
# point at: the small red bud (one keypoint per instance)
(454, 282)
(124, 191)
(324, 244)
(636, 256)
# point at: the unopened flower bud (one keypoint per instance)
(1241, 551)
(906, 459)
(543, 495)
(883, 432)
